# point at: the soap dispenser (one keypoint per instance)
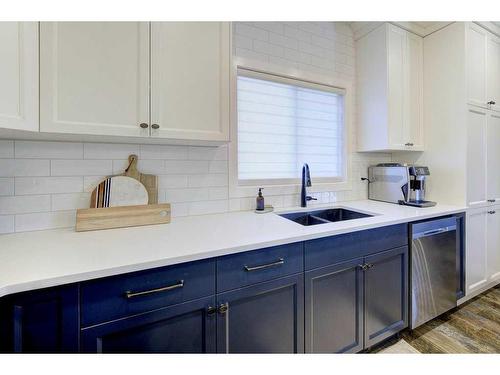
(260, 201)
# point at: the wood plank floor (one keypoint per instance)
(473, 327)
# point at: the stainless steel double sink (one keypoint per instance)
(331, 215)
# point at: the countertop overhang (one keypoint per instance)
(34, 260)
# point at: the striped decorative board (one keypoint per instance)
(119, 191)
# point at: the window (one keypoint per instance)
(284, 123)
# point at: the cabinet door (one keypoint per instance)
(476, 65)
(42, 321)
(396, 50)
(19, 75)
(493, 157)
(414, 99)
(475, 253)
(94, 78)
(190, 80)
(334, 308)
(476, 156)
(493, 71)
(263, 318)
(493, 243)
(386, 294)
(184, 328)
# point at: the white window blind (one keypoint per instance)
(284, 123)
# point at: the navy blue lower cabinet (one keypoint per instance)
(386, 294)
(262, 318)
(334, 308)
(189, 327)
(42, 321)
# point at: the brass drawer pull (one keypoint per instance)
(279, 262)
(177, 285)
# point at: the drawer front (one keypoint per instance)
(330, 250)
(119, 296)
(235, 271)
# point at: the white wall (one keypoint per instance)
(43, 183)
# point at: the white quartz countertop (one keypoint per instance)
(34, 260)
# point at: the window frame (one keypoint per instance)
(255, 69)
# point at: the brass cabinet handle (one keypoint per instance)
(177, 285)
(155, 126)
(143, 125)
(279, 262)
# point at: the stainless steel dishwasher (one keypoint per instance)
(433, 267)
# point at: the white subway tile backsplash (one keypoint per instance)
(45, 220)
(218, 166)
(6, 186)
(218, 193)
(172, 181)
(7, 224)
(296, 33)
(6, 149)
(71, 201)
(186, 195)
(24, 167)
(109, 151)
(48, 150)
(48, 185)
(208, 153)
(250, 54)
(162, 152)
(260, 46)
(283, 41)
(80, 167)
(207, 180)
(24, 204)
(242, 28)
(275, 27)
(186, 166)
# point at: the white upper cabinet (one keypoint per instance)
(390, 90)
(483, 68)
(414, 127)
(94, 78)
(19, 75)
(476, 65)
(166, 80)
(493, 72)
(190, 80)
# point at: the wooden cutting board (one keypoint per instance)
(149, 181)
(122, 217)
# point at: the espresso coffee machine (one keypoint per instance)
(398, 183)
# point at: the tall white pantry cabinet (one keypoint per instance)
(139, 80)
(462, 137)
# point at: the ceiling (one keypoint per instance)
(422, 28)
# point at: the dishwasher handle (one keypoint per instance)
(433, 232)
